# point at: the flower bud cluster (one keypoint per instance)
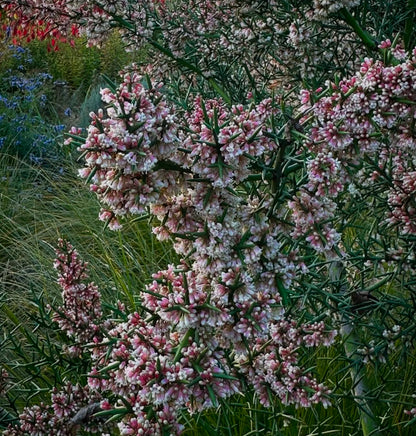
(59, 417)
(223, 143)
(158, 372)
(80, 316)
(363, 133)
(4, 379)
(275, 369)
(124, 147)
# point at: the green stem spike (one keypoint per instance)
(365, 37)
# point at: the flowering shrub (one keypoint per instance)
(82, 306)
(152, 371)
(265, 205)
(219, 313)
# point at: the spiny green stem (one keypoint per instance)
(350, 338)
(409, 24)
(7, 418)
(170, 166)
(365, 37)
(184, 63)
(183, 344)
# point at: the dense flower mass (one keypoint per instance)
(81, 313)
(224, 295)
(159, 372)
(191, 352)
(362, 139)
(70, 407)
(223, 143)
(126, 151)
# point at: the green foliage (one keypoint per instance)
(28, 125)
(76, 65)
(91, 103)
(79, 65)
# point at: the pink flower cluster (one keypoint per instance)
(157, 372)
(180, 356)
(362, 138)
(222, 142)
(80, 316)
(60, 417)
(126, 149)
(275, 370)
